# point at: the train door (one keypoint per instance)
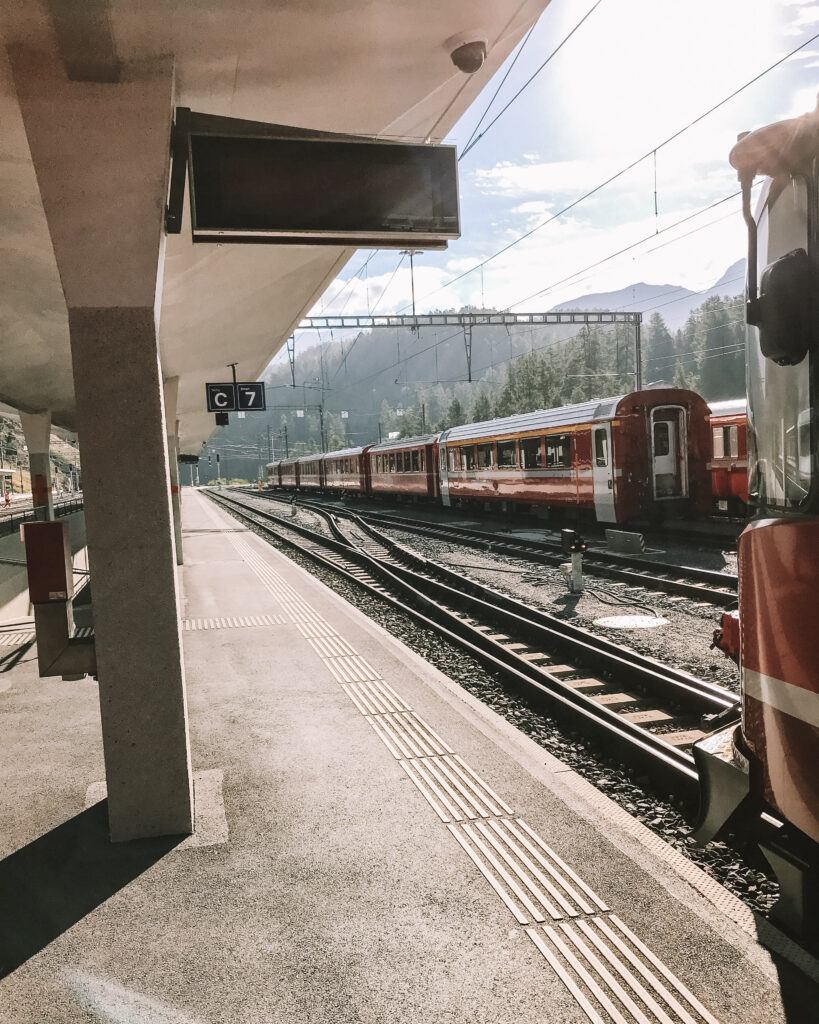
(668, 452)
(603, 473)
(443, 475)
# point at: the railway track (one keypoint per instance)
(638, 709)
(701, 585)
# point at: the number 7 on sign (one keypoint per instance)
(251, 396)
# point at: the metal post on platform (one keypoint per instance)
(638, 356)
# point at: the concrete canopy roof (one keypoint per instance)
(368, 67)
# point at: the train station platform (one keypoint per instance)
(372, 845)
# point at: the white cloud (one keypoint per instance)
(535, 179)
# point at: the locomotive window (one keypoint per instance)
(467, 457)
(415, 460)
(486, 456)
(530, 456)
(719, 442)
(507, 456)
(451, 458)
(601, 447)
(662, 438)
(558, 451)
(733, 441)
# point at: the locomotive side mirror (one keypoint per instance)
(787, 311)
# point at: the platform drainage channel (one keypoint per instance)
(610, 973)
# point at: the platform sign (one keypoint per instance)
(245, 396)
(221, 397)
(251, 396)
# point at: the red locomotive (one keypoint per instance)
(729, 455)
(642, 454)
(770, 759)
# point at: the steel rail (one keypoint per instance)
(689, 581)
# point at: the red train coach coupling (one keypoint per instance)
(726, 638)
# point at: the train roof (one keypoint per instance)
(308, 458)
(543, 419)
(730, 407)
(343, 453)
(404, 442)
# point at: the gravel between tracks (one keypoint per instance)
(736, 864)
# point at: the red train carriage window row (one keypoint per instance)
(528, 453)
(398, 462)
(726, 442)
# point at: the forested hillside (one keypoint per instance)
(401, 382)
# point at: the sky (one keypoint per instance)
(631, 76)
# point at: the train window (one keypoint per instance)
(601, 446)
(415, 460)
(407, 462)
(558, 451)
(421, 459)
(467, 456)
(662, 438)
(451, 458)
(719, 442)
(530, 454)
(486, 456)
(507, 455)
(392, 462)
(733, 441)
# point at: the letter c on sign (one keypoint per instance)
(220, 399)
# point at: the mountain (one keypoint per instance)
(672, 302)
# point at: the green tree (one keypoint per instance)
(660, 351)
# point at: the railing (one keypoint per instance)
(21, 512)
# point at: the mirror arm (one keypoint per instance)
(752, 304)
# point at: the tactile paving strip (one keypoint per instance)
(570, 925)
(234, 622)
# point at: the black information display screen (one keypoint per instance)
(323, 191)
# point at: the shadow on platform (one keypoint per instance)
(52, 883)
(13, 658)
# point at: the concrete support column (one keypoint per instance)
(133, 579)
(100, 150)
(37, 431)
(170, 390)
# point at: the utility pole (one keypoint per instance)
(269, 445)
(638, 356)
(423, 418)
(286, 445)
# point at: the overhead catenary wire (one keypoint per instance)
(473, 142)
(624, 170)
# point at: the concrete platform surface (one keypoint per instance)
(372, 845)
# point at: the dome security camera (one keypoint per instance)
(468, 51)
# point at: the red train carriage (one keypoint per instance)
(345, 471)
(405, 467)
(287, 472)
(729, 455)
(638, 454)
(310, 471)
(273, 474)
(771, 757)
